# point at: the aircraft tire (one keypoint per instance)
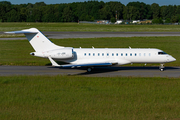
(161, 69)
(89, 69)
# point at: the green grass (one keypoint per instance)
(89, 27)
(16, 52)
(76, 98)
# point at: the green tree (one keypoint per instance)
(113, 20)
(155, 10)
(163, 11)
(105, 13)
(116, 7)
(133, 13)
(170, 11)
(175, 18)
(125, 13)
(168, 20)
(58, 11)
(90, 11)
(13, 16)
(37, 14)
(178, 9)
(139, 8)
(67, 14)
(157, 21)
(5, 7)
(149, 12)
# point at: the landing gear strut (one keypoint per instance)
(161, 67)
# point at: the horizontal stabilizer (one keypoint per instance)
(20, 32)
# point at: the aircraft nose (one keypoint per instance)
(172, 59)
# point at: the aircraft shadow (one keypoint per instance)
(98, 70)
(113, 69)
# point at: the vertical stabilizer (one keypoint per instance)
(38, 40)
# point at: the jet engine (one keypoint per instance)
(63, 53)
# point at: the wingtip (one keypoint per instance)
(9, 32)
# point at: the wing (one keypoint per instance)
(20, 32)
(81, 65)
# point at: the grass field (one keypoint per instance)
(87, 98)
(16, 52)
(89, 27)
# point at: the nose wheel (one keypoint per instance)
(161, 67)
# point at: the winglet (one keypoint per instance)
(53, 62)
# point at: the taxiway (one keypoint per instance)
(97, 72)
(62, 35)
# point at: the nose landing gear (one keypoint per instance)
(161, 67)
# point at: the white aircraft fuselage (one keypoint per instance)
(91, 57)
(115, 55)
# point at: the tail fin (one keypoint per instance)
(38, 41)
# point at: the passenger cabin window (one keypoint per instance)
(102, 54)
(93, 54)
(98, 54)
(161, 53)
(84, 54)
(126, 54)
(112, 54)
(89, 54)
(135, 54)
(107, 54)
(116, 54)
(130, 54)
(121, 54)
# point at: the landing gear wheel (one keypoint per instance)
(89, 69)
(161, 67)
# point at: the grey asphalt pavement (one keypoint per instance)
(62, 35)
(58, 35)
(97, 72)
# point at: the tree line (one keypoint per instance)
(87, 11)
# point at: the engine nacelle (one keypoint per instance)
(63, 53)
(38, 54)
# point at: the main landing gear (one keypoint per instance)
(89, 69)
(161, 67)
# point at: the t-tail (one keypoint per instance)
(37, 39)
(43, 46)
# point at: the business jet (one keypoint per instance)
(91, 57)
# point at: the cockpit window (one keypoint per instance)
(161, 53)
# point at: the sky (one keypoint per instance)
(125, 2)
